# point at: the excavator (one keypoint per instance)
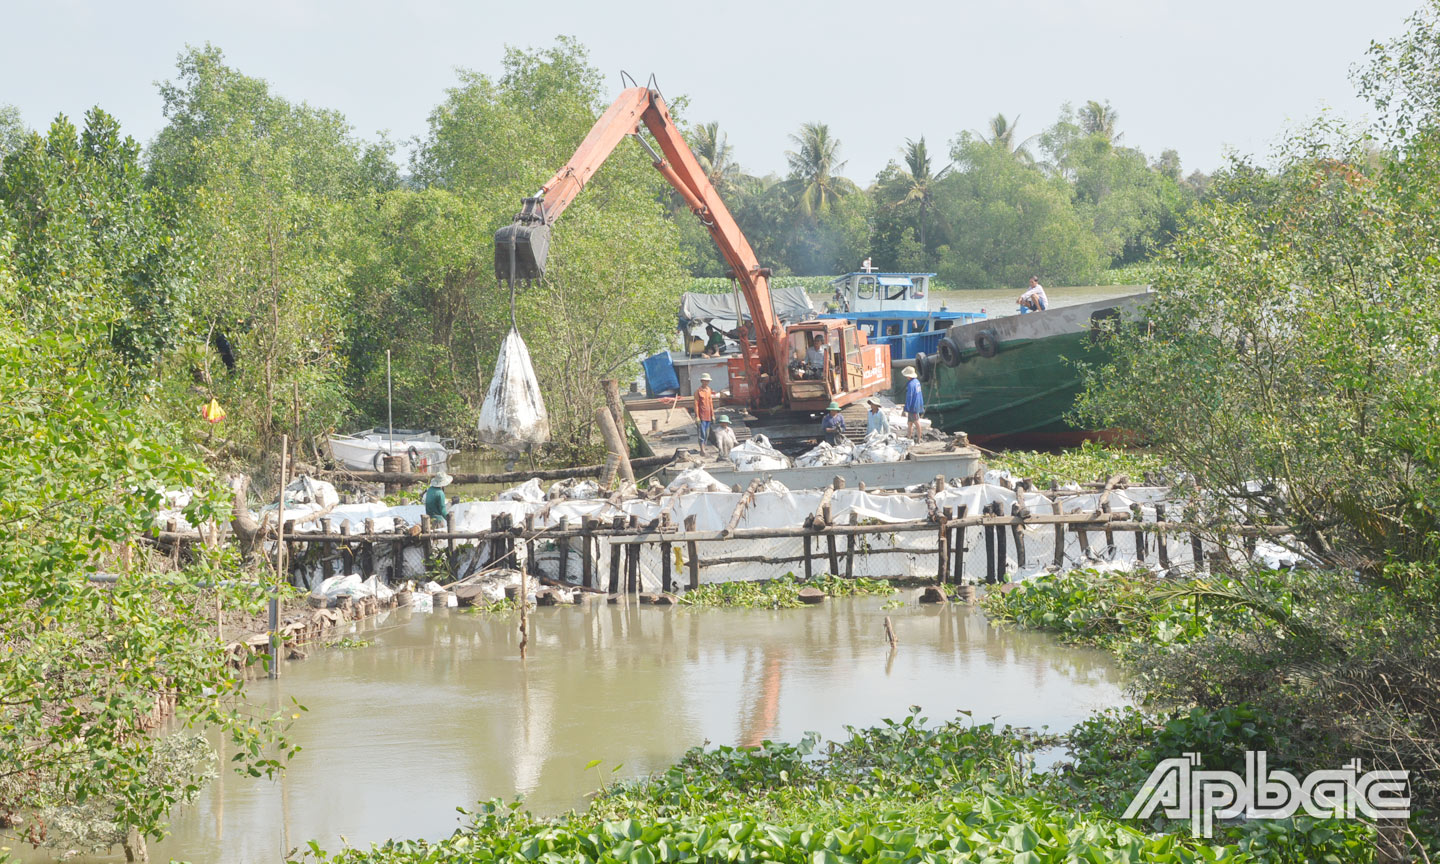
(771, 376)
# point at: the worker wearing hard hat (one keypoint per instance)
(704, 409)
(832, 428)
(724, 436)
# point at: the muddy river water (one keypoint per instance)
(440, 712)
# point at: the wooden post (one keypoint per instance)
(809, 552)
(667, 582)
(615, 441)
(1161, 547)
(692, 559)
(989, 531)
(1084, 542)
(850, 547)
(530, 563)
(615, 556)
(426, 529)
(347, 555)
(327, 550)
(450, 550)
(942, 551)
(632, 560)
(1059, 528)
(587, 562)
(369, 567)
(563, 544)
(1109, 534)
(830, 542)
(1001, 558)
(1137, 514)
(397, 556)
(1197, 548)
(958, 546)
(1019, 534)
(173, 526)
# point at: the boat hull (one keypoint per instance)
(1023, 394)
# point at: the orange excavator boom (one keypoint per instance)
(521, 248)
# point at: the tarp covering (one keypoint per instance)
(791, 304)
(513, 416)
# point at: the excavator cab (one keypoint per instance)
(522, 246)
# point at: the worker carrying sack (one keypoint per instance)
(513, 417)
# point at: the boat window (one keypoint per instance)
(892, 329)
(917, 291)
(866, 287)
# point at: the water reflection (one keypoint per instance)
(441, 711)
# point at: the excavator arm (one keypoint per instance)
(522, 247)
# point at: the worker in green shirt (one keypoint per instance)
(437, 506)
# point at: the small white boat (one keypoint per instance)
(366, 451)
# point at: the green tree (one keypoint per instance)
(270, 190)
(715, 156)
(1005, 220)
(913, 187)
(12, 129)
(815, 170)
(613, 279)
(1101, 120)
(1003, 133)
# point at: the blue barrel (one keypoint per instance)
(660, 377)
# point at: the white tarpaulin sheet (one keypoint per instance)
(791, 304)
(907, 554)
(513, 416)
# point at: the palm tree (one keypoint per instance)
(815, 169)
(714, 154)
(1002, 136)
(1097, 119)
(917, 182)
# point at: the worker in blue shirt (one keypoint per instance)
(832, 428)
(914, 404)
(437, 506)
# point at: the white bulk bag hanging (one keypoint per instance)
(513, 416)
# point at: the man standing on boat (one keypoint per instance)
(832, 428)
(1034, 299)
(437, 506)
(704, 409)
(914, 404)
(876, 420)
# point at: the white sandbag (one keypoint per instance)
(757, 455)
(575, 490)
(432, 587)
(883, 447)
(529, 492)
(825, 455)
(422, 602)
(305, 492)
(696, 480)
(513, 416)
(337, 586)
(373, 587)
(775, 486)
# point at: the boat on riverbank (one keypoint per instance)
(366, 451)
(894, 309)
(1015, 378)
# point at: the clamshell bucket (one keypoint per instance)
(521, 247)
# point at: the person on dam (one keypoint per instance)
(832, 428)
(877, 420)
(704, 409)
(437, 506)
(914, 403)
(724, 436)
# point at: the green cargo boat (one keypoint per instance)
(1013, 379)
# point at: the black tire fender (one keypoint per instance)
(987, 343)
(949, 352)
(925, 367)
(378, 462)
(415, 459)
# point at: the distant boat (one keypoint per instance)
(366, 451)
(1013, 378)
(894, 309)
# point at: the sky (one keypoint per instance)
(1205, 78)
